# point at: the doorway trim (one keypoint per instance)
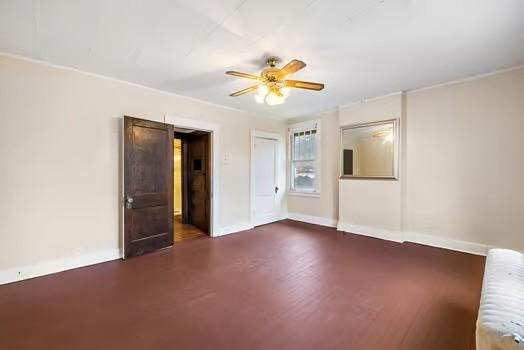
(280, 143)
(214, 132)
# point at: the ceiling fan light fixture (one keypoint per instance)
(260, 98)
(285, 91)
(273, 86)
(262, 90)
(272, 94)
(386, 135)
(273, 99)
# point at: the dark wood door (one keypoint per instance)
(199, 181)
(348, 162)
(148, 186)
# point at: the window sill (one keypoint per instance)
(304, 194)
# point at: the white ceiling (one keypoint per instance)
(358, 48)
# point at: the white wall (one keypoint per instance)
(371, 206)
(461, 181)
(325, 206)
(465, 161)
(60, 136)
(461, 176)
(370, 155)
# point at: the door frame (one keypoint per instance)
(214, 135)
(280, 141)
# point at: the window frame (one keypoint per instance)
(299, 127)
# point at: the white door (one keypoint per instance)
(265, 181)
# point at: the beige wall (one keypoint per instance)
(461, 167)
(465, 160)
(370, 203)
(371, 157)
(351, 143)
(377, 203)
(326, 205)
(60, 138)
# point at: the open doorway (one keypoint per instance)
(192, 170)
(148, 196)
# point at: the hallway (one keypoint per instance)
(184, 232)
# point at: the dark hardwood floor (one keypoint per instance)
(183, 232)
(286, 285)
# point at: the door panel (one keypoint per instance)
(148, 222)
(199, 181)
(265, 181)
(148, 186)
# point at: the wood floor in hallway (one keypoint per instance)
(183, 232)
(286, 285)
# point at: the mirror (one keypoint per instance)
(369, 150)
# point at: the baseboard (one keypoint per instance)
(226, 230)
(317, 220)
(50, 267)
(54, 266)
(388, 235)
(415, 237)
(447, 243)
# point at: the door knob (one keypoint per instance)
(276, 189)
(129, 202)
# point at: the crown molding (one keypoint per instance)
(136, 85)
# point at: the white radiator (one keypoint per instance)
(500, 324)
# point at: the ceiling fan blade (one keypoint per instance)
(290, 68)
(244, 91)
(243, 75)
(304, 85)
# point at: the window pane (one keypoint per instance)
(300, 149)
(297, 150)
(309, 142)
(303, 176)
(304, 145)
(313, 147)
(307, 146)
(296, 146)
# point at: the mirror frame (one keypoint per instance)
(396, 142)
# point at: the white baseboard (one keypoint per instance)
(232, 229)
(267, 219)
(317, 220)
(414, 237)
(54, 266)
(447, 243)
(388, 235)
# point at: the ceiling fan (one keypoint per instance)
(272, 86)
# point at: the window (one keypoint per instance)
(304, 150)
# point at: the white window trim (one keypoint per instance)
(307, 125)
(303, 194)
